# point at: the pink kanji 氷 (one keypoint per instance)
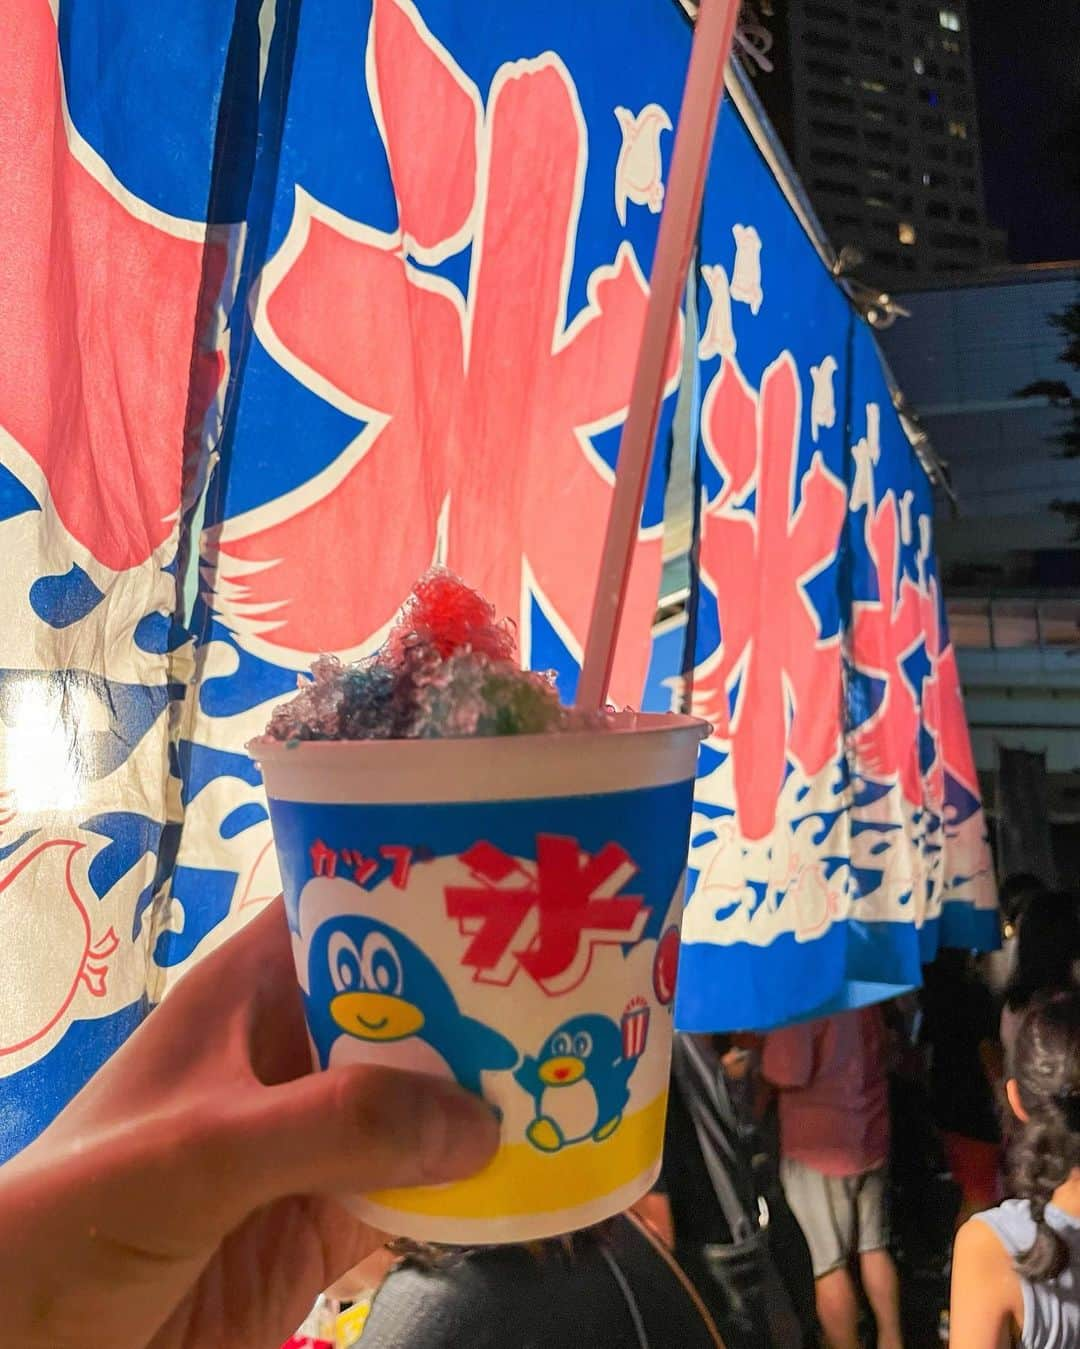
(479, 404)
(547, 917)
(884, 632)
(101, 292)
(943, 707)
(930, 612)
(758, 557)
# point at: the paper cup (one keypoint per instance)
(504, 912)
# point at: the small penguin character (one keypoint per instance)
(370, 988)
(578, 1082)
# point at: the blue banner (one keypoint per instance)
(369, 296)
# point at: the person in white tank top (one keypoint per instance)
(1016, 1268)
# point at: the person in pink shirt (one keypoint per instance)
(831, 1076)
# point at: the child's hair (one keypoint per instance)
(427, 1256)
(1047, 1149)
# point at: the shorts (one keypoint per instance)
(841, 1216)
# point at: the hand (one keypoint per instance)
(184, 1199)
(736, 1064)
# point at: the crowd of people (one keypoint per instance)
(814, 1177)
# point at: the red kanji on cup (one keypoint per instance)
(545, 917)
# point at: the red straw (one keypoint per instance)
(709, 52)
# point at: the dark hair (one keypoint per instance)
(1047, 1149)
(427, 1256)
(1016, 892)
(1048, 948)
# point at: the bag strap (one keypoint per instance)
(701, 1096)
(662, 1251)
(623, 1285)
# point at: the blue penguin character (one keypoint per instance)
(579, 1083)
(370, 988)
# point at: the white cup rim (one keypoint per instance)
(649, 749)
(265, 748)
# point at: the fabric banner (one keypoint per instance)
(109, 375)
(838, 836)
(1024, 840)
(368, 296)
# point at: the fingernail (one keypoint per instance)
(458, 1132)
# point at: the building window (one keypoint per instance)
(826, 69)
(938, 210)
(967, 215)
(929, 122)
(958, 130)
(919, 66)
(826, 12)
(873, 86)
(881, 140)
(873, 114)
(905, 232)
(838, 129)
(882, 200)
(938, 153)
(834, 187)
(967, 184)
(950, 45)
(965, 158)
(836, 44)
(824, 155)
(826, 98)
(949, 19)
(968, 242)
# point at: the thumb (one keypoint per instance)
(349, 1130)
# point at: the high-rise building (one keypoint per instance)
(875, 100)
(980, 361)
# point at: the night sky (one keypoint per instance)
(1027, 70)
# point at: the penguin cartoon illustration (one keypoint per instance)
(374, 997)
(579, 1083)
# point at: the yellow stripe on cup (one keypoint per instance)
(523, 1180)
